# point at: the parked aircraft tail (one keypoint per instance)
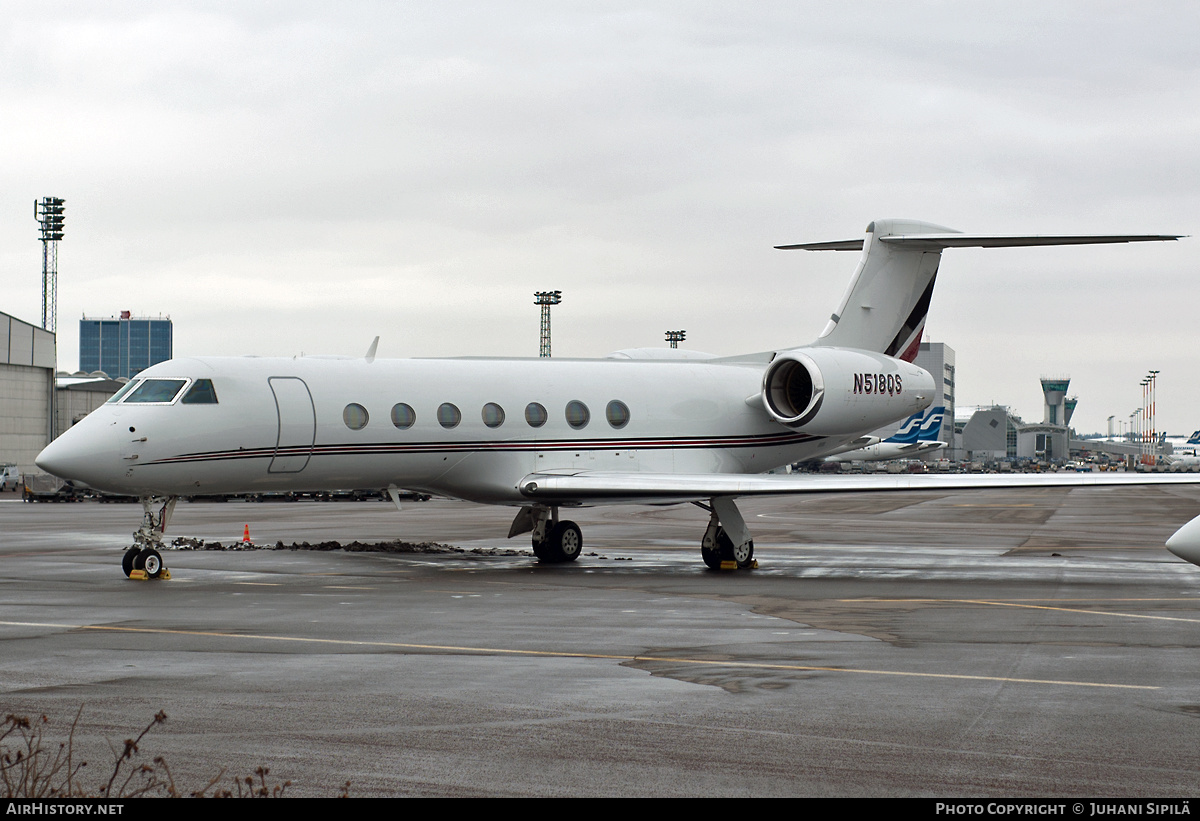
(931, 425)
(885, 305)
(909, 430)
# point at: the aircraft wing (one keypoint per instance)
(598, 487)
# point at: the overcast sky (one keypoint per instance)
(287, 177)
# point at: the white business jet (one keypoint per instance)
(642, 426)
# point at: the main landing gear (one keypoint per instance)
(143, 560)
(554, 541)
(726, 544)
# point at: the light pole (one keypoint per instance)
(546, 299)
(1151, 378)
(49, 214)
(1145, 418)
(675, 337)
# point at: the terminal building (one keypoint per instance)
(938, 359)
(123, 346)
(994, 434)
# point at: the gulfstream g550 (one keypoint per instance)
(546, 434)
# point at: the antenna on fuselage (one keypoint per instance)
(370, 357)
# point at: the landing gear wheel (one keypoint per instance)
(563, 543)
(712, 558)
(567, 541)
(151, 562)
(724, 551)
(129, 560)
(744, 555)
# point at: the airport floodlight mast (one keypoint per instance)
(1144, 423)
(49, 214)
(675, 337)
(546, 299)
(1152, 439)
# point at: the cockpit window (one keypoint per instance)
(201, 393)
(126, 388)
(155, 391)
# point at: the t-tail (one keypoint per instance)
(885, 306)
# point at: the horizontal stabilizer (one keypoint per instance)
(979, 241)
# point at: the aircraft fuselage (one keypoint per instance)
(467, 428)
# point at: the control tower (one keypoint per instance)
(1054, 389)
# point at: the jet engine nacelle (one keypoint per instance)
(838, 391)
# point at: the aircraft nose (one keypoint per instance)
(1185, 542)
(59, 459)
(68, 457)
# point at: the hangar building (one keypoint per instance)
(27, 361)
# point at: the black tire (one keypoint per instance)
(129, 560)
(541, 549)
(725, 552)
(152, 563)
(563, 543)
(712, 558)
(567, 541)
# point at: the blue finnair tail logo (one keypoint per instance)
(1195, 440)
(909, 430)
(932, 426)
(922, 428)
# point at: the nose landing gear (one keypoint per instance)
(143, 560)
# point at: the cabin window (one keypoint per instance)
(403, 416)
(157, 391)
(578, 414)
(493, 415)
(617, 413)
(116, 397)
(355, 416)
(448, 415)
(535, 415)
(201, 393)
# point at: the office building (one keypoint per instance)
(123, 346)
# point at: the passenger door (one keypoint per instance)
(297, 424)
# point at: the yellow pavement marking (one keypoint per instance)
(1045, 607)
(501, 651)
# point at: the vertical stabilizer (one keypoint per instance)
(931, 425)
(885, 305)
(910, 428)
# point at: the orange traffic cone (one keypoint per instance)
(246, 535)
